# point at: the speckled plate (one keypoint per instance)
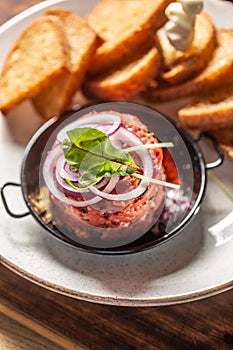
(190, 266)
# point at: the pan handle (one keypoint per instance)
(7, 184)
(217, 148)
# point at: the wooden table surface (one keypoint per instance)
(34, 318)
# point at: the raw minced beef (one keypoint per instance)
(113, 220)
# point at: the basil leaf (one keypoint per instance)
(91, 151)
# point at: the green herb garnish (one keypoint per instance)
(91, 152)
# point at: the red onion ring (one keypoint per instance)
(99, 120)
(48, 169)
(130, 139)
(56, 161)
(102, 182)
(64, 187)
(64, 171)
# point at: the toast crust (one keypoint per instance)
(181, 66)
(37, 57)
(211, 112)
(125, 27)
(127, 81)
(82, 42)
(219, 71)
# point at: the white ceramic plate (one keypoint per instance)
(190, 266)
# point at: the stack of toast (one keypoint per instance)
(210, 93)
(48, 62)
(117, 52)
(60, 48)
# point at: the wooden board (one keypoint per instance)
(15, 336)
(75, 324)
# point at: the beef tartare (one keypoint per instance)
(106, 175)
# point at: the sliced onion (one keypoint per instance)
(55, 165)
(48, 174)
(130, 139)
(65, 170)
(67, 189)
(50, 170)
(126, 136)
(108, 121)
(138, 191)
(71, 170)
(111, 184)
(102, 182)
(116, 143)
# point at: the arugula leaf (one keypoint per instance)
(91, 151)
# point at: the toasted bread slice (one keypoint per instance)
(126, 81)
(125, 26)
(37, 57)
(210, 112)
(219, 71)
(181, 66)
(82, 42)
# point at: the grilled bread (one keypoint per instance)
(181, 66)
(125, 27)
(219, 71)
(210, 112)
(82, 42)
(126, 81)
(37, 57)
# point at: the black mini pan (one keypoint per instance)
(187, 155)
